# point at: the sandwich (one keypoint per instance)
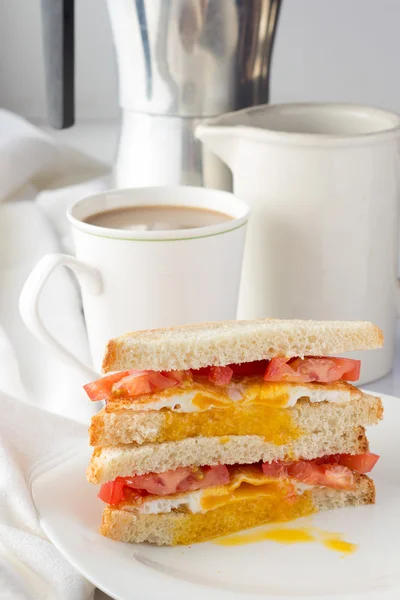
(214, 428)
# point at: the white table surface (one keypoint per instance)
(100, 141)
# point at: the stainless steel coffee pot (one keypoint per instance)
(179, 61)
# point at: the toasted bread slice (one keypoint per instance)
(186, 528)
(195, 346)
(278, 425)
(123, 461)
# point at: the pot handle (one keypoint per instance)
(58, 45)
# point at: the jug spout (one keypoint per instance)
(220, 140)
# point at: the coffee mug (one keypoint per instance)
(133, 280)
(323, 183)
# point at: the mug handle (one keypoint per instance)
(89, 279)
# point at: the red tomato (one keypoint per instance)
(305, 471)
(309, 472)
(101, 389)
(178, 376)
(135, 383)
(336, 476)
(160, 484)
(220, 375)
(304, 370)
(351, 368)
(249, 369)
(112, 492)
(205, 477)
(362, 463)
(278, 370)
(333, 476)
(257, 367)
(334, 470)
(144, 382)
(276, 468)
(183, 479)
(202, 372)
(329, 459)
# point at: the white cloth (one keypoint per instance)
(34, 385)
(28, 155)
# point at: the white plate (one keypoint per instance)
(70, 515)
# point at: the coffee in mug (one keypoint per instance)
(157, 218)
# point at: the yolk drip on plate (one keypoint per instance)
(334, 541)
(283, 535)
(277, 534)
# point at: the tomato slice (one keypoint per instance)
(216, 374)
(336, 476)
(178, 376)
(183, 479)
(333, 476)
(325, 369)
(278, 370)
(250, 369)
(362, 463)
(302, 370)
(276, 468)
(202, 372)
(335, 470)
(208, 477)
(305, 471)
(159, 484)
(144, 382)
(112, 492)
(101, 389)
(350, 367)
(220, 375)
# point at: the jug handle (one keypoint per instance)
(398, 298)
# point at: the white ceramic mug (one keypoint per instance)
(323, 182)
(132, 280)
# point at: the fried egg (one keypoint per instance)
(250, 391)
(247, 483)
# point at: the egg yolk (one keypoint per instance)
(275, 425)
(243, 513)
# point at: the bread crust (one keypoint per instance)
(200, 345)
(127, 460)
(177, 527)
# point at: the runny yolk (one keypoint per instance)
(247, 483)
(255, 392)
(283, 535)
(244, 492)
(275, 425)
(205, 401)
(265, 393)
(235, 514)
